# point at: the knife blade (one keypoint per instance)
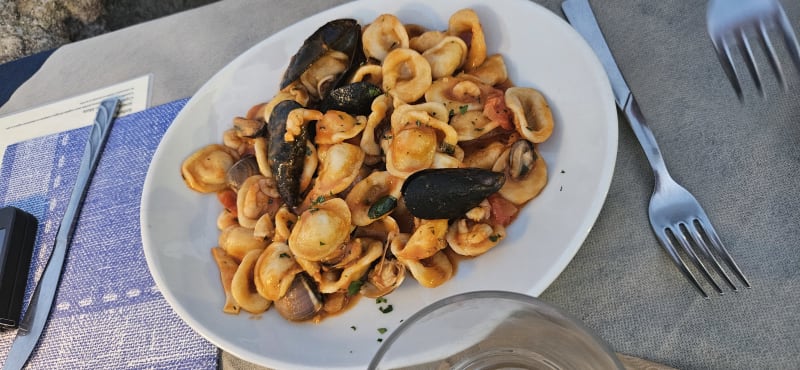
(33, 323)
(580, 15)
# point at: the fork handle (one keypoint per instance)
(646, 139)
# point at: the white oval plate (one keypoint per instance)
(541, 51)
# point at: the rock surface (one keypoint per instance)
(31, 26)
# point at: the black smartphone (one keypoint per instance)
(18, 236)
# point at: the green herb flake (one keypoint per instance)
(380, 300)
(451, 113)
(382, 206)
(321, 243)
(386, 309)
(494, 238)
(380, 340)
(382, 330)
(318, 200)
(284, 255)
(463, 109)
(353, 327)
(354, 287)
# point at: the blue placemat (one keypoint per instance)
(108, 313)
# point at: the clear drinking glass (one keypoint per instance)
(493, 330)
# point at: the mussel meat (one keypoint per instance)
(301, 302)
(521, 159)
(447, 193)
(286, 157)
(342, 35)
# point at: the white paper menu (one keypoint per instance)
(72, 113)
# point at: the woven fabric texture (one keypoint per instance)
(108, 311)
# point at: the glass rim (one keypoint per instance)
(493, 294)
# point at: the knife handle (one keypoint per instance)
(580, 15)
(646, 138)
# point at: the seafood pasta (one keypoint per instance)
(388, 151)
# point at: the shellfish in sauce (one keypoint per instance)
(385, 154)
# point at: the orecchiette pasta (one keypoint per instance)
(406, 75)
(242, 288)
(315, 181)
(383, 35)
(466, 21)
(227, 269)
(238, 241)
(274, 271)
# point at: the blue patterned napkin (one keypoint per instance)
(108, 312)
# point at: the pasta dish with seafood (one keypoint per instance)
(389, 150)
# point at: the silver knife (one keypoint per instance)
(580, 16)
(32, 325)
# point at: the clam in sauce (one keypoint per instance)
(385, 156)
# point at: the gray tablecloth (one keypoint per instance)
(741, 161)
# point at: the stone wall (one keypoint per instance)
(31, 26)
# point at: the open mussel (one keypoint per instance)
(447, 193)
(340, 35)
(286, 157)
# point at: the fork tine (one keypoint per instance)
(696, 230)
(789, 37)
(749, 59)
(772, 56)
(723, 52)
(680, 236)
(705, 224)
(673, 253)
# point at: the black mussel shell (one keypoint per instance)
(448, 193)
(286, 159)
(341, 34)
(355, 98)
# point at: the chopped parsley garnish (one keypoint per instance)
(382, 330)
(318, 200)
(353, 327)
(321, 243)
(284, 255)
(494, 238)
(354, 287)
(380, 300)
(386, 309)
(463, 109)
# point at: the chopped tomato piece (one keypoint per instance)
(496, 110)
(503, 211)
(228, 200)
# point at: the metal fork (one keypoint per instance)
(729, 22)
(675, 215)
(679, 221)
